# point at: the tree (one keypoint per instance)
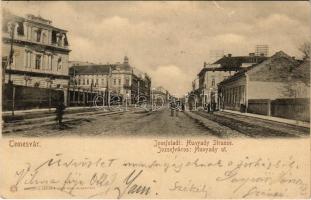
(305, 49)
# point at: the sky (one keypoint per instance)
(171, 40)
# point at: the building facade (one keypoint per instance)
(160, 96)
(120, 80)
(266, 87)
(212, 74)
(35, 53)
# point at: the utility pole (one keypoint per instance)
(12, 30)
(91, 91)
(10, 61)
(74, 86)
(108, 92)
(49, 81)
(138, 85)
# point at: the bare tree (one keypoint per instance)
(305, 49)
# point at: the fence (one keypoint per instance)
(258, 106)
(298, 109)
(294, 108)
(29, 97)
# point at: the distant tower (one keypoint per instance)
(126, 60)
(262, 50)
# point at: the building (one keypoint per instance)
(140, 87)
(212, 74)
(36, 53)
(120, 80)
(160, 96)
(262, 50)
(269, 88)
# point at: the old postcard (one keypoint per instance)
(155, 100)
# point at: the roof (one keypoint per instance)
(236, 61)
(302, 71)
(91, 69)
(233, 63)
(244, 70)
(7, 16)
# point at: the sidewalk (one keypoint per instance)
(41, 110)
(270, 118)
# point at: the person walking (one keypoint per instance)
(60, 110)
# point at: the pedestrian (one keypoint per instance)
(172, 107)
(214, 106)
(60, 110)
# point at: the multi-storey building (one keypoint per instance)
(160, 96)
(35, 67)
(120, 79)
(279, 86)
(36, 52)
(212, 74)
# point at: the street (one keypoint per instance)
(150, 124)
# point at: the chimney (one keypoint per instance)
(229, 55)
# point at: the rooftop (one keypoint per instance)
(232, 63)
(7, 16)
(244, 70)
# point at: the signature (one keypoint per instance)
(111, 184)
(189, 187)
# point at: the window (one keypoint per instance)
(59, 63)
(54, 37)
(127, 81)
(114, 81)
(79, 81)
(38, 62)
(39, 35)
(83, 81)
(44, 36)
(213, 81)
(103, 81)
(87, 82)
(119, 81)
(27, 59)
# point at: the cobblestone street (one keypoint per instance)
(156, 124)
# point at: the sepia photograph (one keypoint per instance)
(109, 99)
(218, 69)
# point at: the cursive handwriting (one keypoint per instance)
(189, 187)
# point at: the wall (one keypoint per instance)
(20, 80)
(234, 94)
(30, 97)
(266, 90)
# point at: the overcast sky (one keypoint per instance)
(171, 40)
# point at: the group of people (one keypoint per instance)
(175, 107)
